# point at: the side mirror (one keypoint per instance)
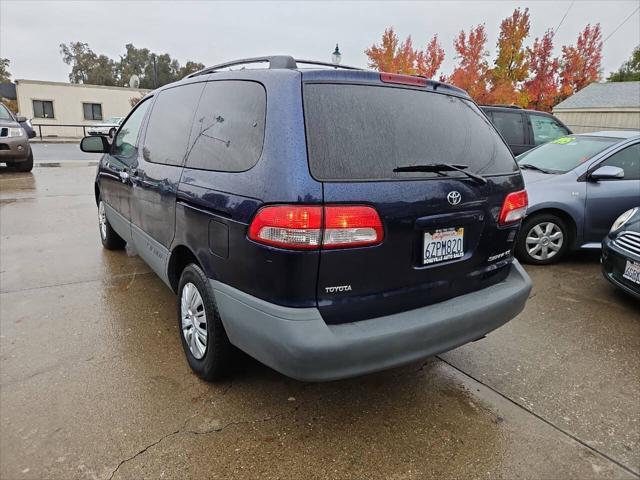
(607, 172)
(21, 119)
(95, 144)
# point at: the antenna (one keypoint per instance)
(134, 81)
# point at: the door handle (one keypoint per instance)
(124, 176)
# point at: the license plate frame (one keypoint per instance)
(632, 271)
(442, 245)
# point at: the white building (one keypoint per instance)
(602, 106)
(55, 104)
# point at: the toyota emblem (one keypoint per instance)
(454, 197)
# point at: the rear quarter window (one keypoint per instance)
(363, 132)
(228, 131)
(169, 127)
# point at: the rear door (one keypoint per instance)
(513, 128)
(356, 136)
(158, 172)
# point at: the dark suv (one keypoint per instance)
(328, 222)
(524, 129)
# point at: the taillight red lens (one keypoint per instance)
(303, 227)
(403, 79)
(514, 207)
(288, 226)
(351, 226)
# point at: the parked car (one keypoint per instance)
(15, 150)
(362, 232)
(525, 129)
(577, 185)
(621, 252)
(108, 127)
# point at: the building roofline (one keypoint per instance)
(80, 85)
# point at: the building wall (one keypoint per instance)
(67, 101)
(594, 119)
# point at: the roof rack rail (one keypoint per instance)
(274, 61)
(502, 105)
(326, 64)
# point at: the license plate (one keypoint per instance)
(444, 244)
(632, 271)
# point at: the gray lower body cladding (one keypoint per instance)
(298, 343)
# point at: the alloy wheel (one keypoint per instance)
(102, 220)
(544, 241)
(193, 320)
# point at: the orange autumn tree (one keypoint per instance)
(541, 88)
(511, 65)
(472, 71)
(580, 64)
(395, 57)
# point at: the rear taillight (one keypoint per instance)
(514, 207)
(306, 227)
(351, 226)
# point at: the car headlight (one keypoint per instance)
(16, 132)
(622, 219)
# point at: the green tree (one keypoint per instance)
(88, 67)
(5, 75)
(629, 71)
(189, 68)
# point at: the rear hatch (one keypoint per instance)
(441, 232)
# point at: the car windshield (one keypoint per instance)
(565, 153)
(113, 120)
(4, 113)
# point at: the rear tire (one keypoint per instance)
(25, 166)
(203, 337)
(110, 239)
(543, 239)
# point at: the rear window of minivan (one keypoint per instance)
(363, 132)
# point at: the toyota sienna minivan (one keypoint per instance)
(327, 221)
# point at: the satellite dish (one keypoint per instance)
(134, 81)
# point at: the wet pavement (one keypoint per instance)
(93, 381)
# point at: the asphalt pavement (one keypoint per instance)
(94, 384)
(61, 152)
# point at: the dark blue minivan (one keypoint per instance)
(327, 221)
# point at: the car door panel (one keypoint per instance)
(607, 199)
(158, 173)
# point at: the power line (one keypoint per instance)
(618, 27)
(562, 19)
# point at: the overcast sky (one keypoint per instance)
(212, 32)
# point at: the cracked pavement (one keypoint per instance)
(94, 385)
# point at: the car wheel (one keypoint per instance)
(25, 166)
(204, 339)
(110, 239)
(543, 239)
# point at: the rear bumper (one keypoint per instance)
(14, 149)
(298, 343)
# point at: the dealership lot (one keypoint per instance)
(93, 381)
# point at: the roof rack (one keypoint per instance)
(274, 61)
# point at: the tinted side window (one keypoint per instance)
(510, 125)
(546, 129)
(228, 131)
(170, 124)
(125, 142)
(628, 160)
